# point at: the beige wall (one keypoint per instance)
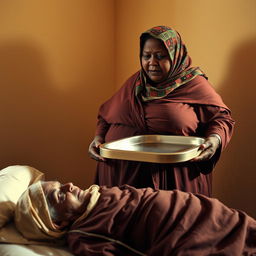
(60, 59)
(51, 56)
(221, 39)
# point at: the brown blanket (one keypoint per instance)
(162, 223)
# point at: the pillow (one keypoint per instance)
(14, 180)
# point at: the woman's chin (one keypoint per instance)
(156, 79)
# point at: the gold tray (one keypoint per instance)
(153, 148)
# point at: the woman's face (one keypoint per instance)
(155, 60)
(68, 200)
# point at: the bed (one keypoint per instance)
(13, 182)
(205, 216)
(31, 250)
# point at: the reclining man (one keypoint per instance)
(128, 221)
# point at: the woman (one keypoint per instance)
(169, 97)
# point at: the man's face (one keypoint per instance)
(68, 200)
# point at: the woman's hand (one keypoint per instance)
(209, 147)
(94, 151)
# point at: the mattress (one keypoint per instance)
(13, 244)
(32, 250)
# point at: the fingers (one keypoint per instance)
(94, 150)
(97, 157)
(206, 154)
(94, 154)
(208, 149)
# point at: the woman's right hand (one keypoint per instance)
(94, 151)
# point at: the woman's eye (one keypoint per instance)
(61, 196)
(160, 57)
(146, 56)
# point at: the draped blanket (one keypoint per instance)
(128, 221)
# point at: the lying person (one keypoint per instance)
(128, 221)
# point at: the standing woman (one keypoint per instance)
(169, 97)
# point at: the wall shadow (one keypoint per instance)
(235, 175)
(40, 126)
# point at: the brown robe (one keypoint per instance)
(162, 223)
(193, 109)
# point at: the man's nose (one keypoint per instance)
(68, 187)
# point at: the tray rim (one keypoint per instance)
(156, 157)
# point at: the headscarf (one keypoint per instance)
(32, 217)
(181, 71)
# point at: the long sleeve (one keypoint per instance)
(102, 127)
(215, 120)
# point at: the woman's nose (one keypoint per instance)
(153, 60)
(68, 187)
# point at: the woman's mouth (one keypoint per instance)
(77, 193)
(154, 72)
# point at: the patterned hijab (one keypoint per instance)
(181, 71)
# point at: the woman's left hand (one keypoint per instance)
(208, 148)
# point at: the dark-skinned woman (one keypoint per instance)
(167, 96)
